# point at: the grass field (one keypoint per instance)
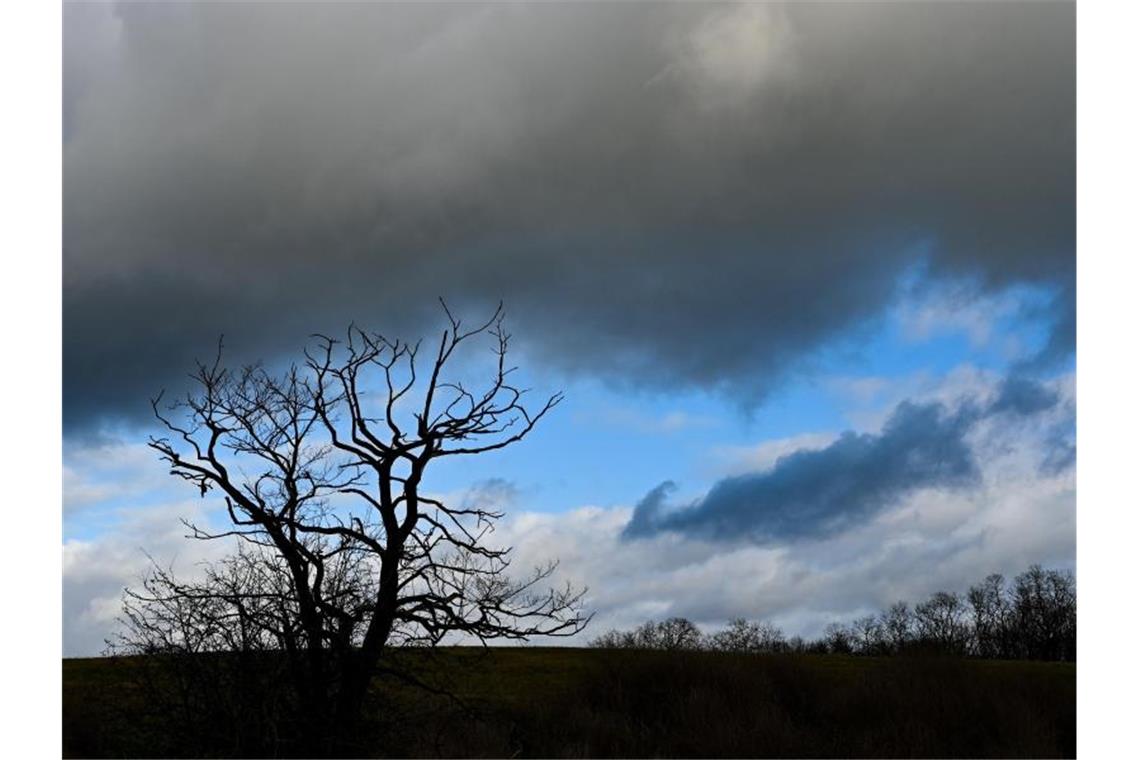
(560, 702)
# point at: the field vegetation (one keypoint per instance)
(565, 702)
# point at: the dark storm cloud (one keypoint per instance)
(813, 493)
(664, 195)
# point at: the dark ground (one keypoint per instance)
(557, 702)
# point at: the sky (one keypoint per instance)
(805, 274)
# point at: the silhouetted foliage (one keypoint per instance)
(1035, 618)
(321, 471)
(897, 623)
(671, 635)
(992, 618)
(747, 636)
(869, 635)
(1045, 615)
(838, 638)
(940, 623)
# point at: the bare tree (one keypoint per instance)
(992, 620)
(747, 636)
(322, 469)
(614, 639)
(674, 634)
(838, 639)
(213, 676)
(678, 633)
(870, 637)
(897, 623)
(941, 622)
(1045, 614)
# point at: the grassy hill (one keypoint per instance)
(561, 702)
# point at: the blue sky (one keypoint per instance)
(606, 446)
(729, 233)
(612, 444)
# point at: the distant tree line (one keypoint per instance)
(1032, 618)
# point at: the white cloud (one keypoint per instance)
(109, 470)
(96, 570)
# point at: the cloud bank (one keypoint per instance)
(666, 196)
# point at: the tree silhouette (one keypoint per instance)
(743, 635)
(897, 623)
(991, 617)
(941, 622)
(1035, 618)
(322, 470)
(1045, 614)
(838, 638)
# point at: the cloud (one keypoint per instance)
(646, 515)
(926, 540)
(666, 196)
(109, 472)
(734, 52)
(492, 494)
(964, 306)
(96, 570)
(1058, 348)
(737, 460)
(814, 492)
(1022, 396)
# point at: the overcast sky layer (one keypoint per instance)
(833, 233)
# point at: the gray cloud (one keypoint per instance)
(665, 195)
(1023, 396)
(820, 492)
